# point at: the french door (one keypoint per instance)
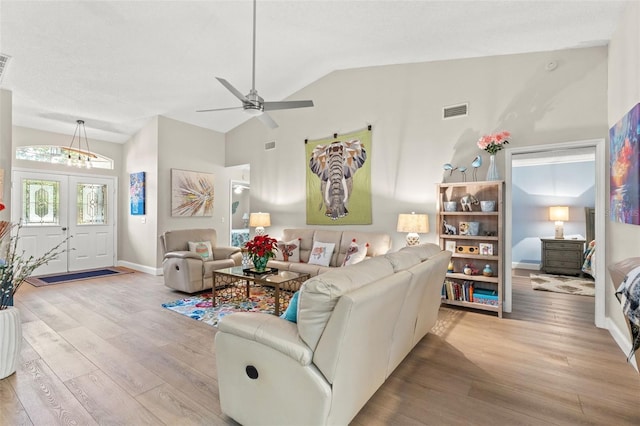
(54, 206)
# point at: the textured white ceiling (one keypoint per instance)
(117, 64)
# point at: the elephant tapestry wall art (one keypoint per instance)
(339, 180)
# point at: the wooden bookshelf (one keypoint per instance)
(484, 248)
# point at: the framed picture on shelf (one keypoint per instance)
(486, 249)
(450, 245)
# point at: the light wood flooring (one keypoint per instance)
(104, 351)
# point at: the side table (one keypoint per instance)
(562, 256)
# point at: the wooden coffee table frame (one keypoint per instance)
(286, 282)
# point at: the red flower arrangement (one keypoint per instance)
(262, 246)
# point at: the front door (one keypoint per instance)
(52, 207)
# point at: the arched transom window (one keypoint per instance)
(63, 155)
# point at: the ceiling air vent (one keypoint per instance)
(270, 145)
(4, 61)
(455, 111)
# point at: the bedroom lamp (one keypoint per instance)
(414, 224)
(259, 221)
(245, 219)
(559, 214)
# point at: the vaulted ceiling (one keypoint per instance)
(116, 64)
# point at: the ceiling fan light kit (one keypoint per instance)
(253, 104)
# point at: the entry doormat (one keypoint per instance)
(563, 284)
(44, 280)
(200, 306)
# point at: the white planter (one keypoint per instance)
(10, 340)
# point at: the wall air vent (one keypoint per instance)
(455, 111)
(270, 145)
(4, 61)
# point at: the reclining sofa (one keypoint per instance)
(191, 271)
(379, 243)
(355, 325)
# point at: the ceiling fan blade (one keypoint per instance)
(267, 120)
(271, 106)
(218, 109)
(232, 89)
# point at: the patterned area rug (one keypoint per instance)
(563, 284)
(200, 307)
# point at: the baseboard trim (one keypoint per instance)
(524, 265)
(139, 268)
(622, 339)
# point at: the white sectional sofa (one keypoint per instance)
(355, 325)
(379, 244)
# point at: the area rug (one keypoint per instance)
(200, 307)
(563, 284)
(43, 280)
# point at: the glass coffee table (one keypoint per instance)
(284, 283)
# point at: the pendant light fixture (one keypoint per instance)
(78, 156)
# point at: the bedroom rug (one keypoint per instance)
(200, 306)
(563, 284)
(44, 280)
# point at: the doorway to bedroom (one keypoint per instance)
(569, 175)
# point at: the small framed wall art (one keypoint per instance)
(136, 193)
(486, 249)
(451, 246)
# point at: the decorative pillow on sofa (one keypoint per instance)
(291, 314)
(288, 251)
(203, 248)
(321, 253)
(355, 253)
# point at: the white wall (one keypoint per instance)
(138, 235)
(624, 93)
(411, 142)
(5, 151)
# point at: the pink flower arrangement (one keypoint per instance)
(494, 142)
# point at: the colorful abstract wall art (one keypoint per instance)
(624, 200)
(191, 193)
(339, 180)
(136, 193)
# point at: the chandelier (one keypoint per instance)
(78, 156)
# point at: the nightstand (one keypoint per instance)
(562, 256)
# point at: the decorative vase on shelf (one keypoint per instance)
(492, 171)
(487, 271)
(260, 263)
(10, 340)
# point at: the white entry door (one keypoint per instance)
(53, 206)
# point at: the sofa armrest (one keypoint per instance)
(182, 255)
(224, 252)
(277, 333)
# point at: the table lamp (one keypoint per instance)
(413, 224)
(259, 221)
(559, 214)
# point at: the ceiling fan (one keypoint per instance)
(252, 103)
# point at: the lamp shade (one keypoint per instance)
(260, 219)
(418, 223)
(559, 213)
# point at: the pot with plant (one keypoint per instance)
(15, 268)
(261, 249)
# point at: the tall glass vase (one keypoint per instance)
(492, 172)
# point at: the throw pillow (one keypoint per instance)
(355, 253)
(321, 253)
(288, 251)
(203, 248)
(291, 314)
